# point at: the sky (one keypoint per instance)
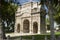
(24, 1)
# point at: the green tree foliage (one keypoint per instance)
(56, 7)
(8, 10)
(57, 15)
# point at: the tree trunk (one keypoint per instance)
(42, 20)
(52, 27)
(3, 30)
(43, 23)
(51, 12)
(1, 37)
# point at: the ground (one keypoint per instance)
(17, 34)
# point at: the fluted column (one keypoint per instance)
(38, 28)
(31, 27)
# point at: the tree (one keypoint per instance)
(51, 4)
(7, 14)
(57, 15)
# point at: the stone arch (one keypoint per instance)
(26, 26)
(18, 27)
(35, 27)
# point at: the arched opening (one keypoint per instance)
(35, 27)
(26, 26)
(18, 27)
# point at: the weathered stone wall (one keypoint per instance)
(30, 12)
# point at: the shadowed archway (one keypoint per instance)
(26, 26)
(35, 27)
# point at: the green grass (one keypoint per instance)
(38, 37)
(57, 33)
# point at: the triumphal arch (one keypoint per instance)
(30, 18)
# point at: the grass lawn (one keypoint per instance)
(38, 36)
(57, 33)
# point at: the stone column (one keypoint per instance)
(31, 28)
(15, 28)
(39, 24)
(38, 28)
(21, 28)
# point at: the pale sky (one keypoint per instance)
(24, 1)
